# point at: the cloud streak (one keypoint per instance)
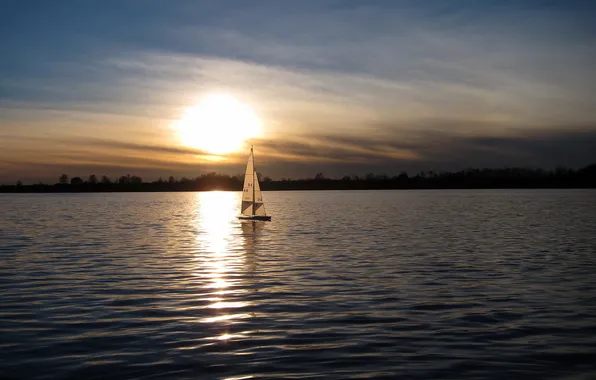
(338, 83)
(334, 155)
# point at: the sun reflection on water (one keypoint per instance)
(221, 262)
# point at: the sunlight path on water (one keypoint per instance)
(219, 259)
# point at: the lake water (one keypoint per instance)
(487, 284)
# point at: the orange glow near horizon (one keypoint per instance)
(219, 124)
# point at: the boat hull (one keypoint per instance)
(255, 217)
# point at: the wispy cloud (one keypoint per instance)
(335, 82)
(304, 156)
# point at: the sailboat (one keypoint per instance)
(252, 206)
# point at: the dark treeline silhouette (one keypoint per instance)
(465, 179)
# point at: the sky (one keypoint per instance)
(342, 87)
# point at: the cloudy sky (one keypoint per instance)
(340, 86)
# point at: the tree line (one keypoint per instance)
(464, 179)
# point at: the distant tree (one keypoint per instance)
(105, 180)
(208, 175)
(136, 179)
(92, 179)
(160, 180)
(19, 183)
(171, 179)
(125, 179)
(561, 171)
(587, 171)
(319, 176)
(267, 179)
(76, 181)
(345, 178)
(63, 180)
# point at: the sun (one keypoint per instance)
(219, 124)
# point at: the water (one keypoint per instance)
(395, 284)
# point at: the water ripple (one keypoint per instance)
(387, 284)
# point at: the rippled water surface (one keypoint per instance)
(395, 284)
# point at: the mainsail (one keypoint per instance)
(252, 200)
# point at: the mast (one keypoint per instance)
(252, 156)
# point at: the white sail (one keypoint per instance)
(248, 191)
(252, 199)
(259, 205)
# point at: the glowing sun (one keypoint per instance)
(219, 124)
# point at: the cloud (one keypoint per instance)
(333, 155)
(81, 148)
(339, 84)
(450, 151)
(320, 59)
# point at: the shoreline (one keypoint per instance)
(34, 189)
